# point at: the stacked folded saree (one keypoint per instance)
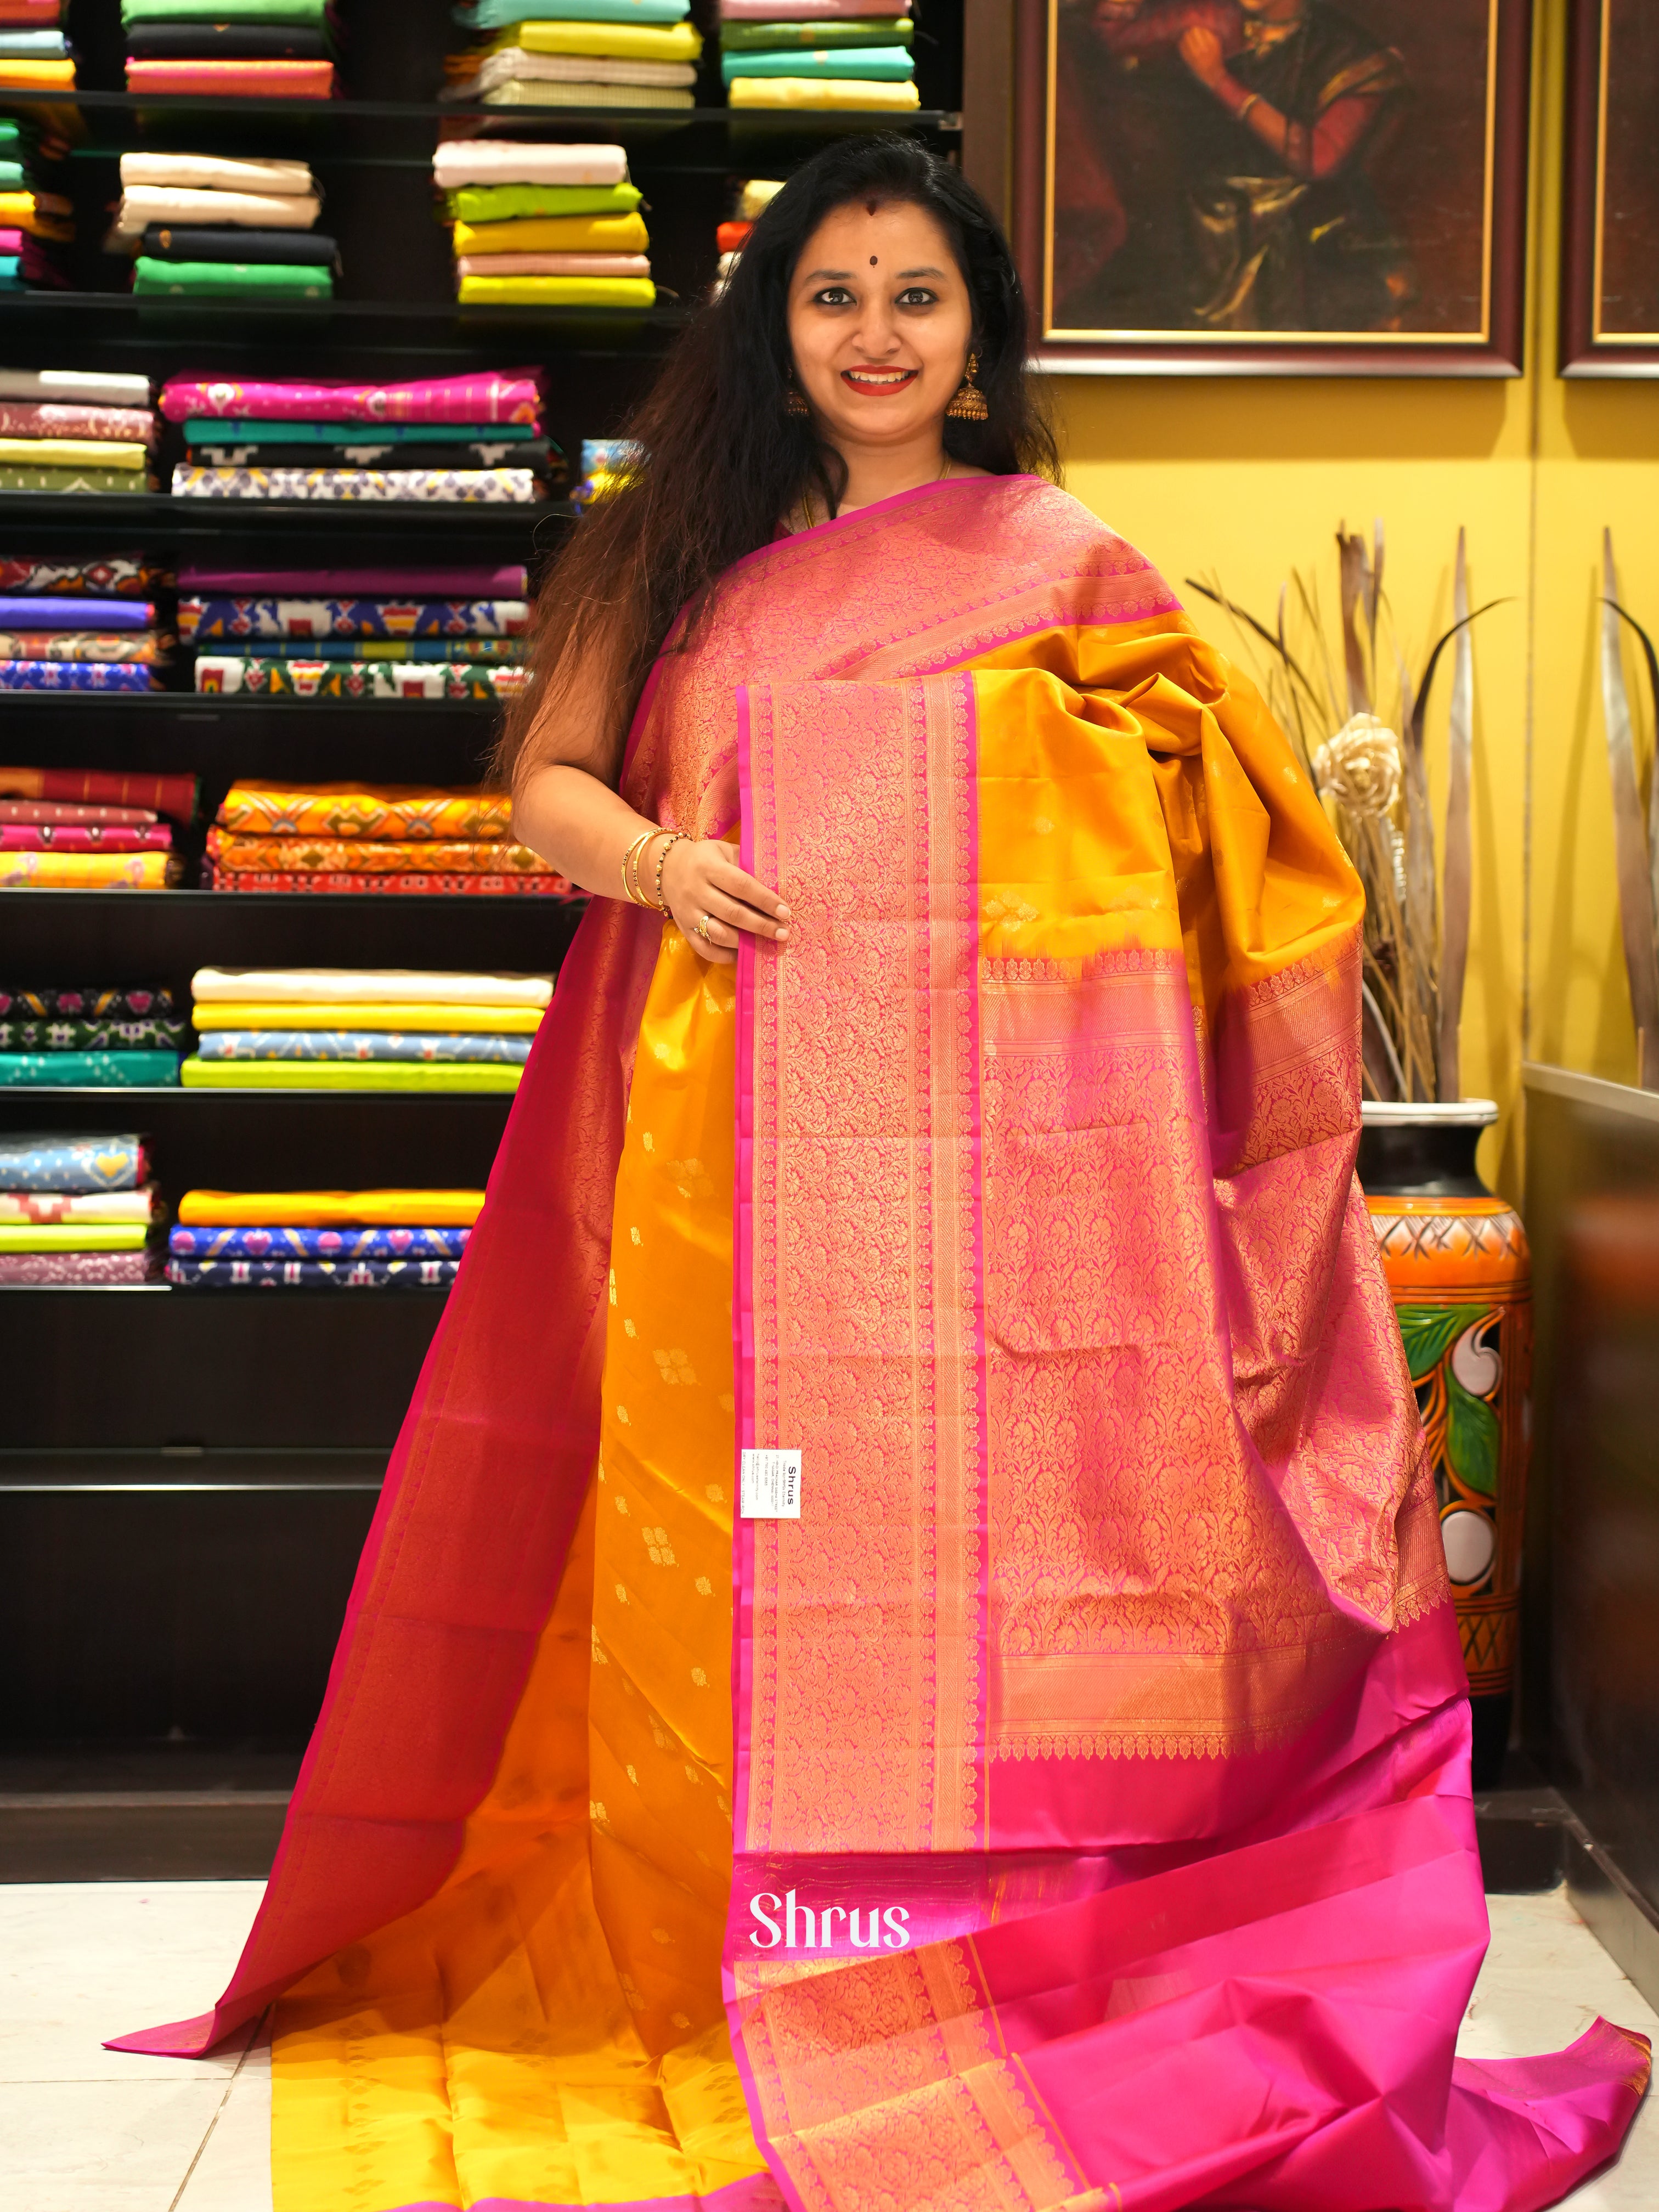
(589, 53)
(817, 54)
(301, 643)
(36, 213)
(75, 442)
(106, 1036)
(256, 49)
(74, 1210)
(389, 838)
(70, 625)
(352, 1240)
(365, 1030)
(215, 227)
(554, 225)
(475, 438)
(35, 56)
(91, 829)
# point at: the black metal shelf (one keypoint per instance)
(588, 329)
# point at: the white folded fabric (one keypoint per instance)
(218, 173)
(513, 65)
(88, 386)
(344, 985)
(553, 264)
(148, 203)
(512, 162)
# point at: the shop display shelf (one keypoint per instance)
(160, 522)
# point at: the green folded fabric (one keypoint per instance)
(294, 280)
(769, 37)
(12, 176)
(77, 480)
(198, 1074)
(504, 203)
(72, 1236)
(101, 1070)
(875, 64)
(224, 11)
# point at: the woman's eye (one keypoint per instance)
(833, 295)
(918, 295)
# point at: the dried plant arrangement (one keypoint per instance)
(1357, 722)
(1636, 841)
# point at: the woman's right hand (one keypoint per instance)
(712, 898)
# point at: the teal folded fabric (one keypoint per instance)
(12, 176)
(888, 65)
(224, 11)
(287, 280)
(11, 273)
(204, 430)
(112, 1071)
(498, 15)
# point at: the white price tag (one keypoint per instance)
(770, 1484)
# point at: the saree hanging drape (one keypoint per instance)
(1071, 1808)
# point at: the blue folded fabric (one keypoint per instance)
(36, 1160)
(110, 1070)
(54, 610)
(335, 1245)
(362, 1044)
(311, 1274)
(74, 675)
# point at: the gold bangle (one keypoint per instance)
(631, 891)
(1251, 100)
(673, 837)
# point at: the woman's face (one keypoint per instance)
(879, 324)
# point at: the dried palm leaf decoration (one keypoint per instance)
(1361, 742)
(1636, 847)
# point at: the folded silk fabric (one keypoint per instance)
(857, 31)
(227, 42)
(65, 837)
(58, 609)
(257, 676)
(486, 487)
(30, 11)
(637, 294)
(276, 280)
(101, 787)
(570, 68)
(347, 987)
(437, 1046)
(242, 619)
(35, 418)
(819, 92)
(273, 80)
(888, 64)
(422, 1241)
(93, 1037)
(506, 203)
(198, 1074)
(88, 1003)
(514, 396)
(413, 440)
(582, 233)
(218, 173)
(542, 92)
(500, 14)
(51, 1162)
(96, 1206)
(193, 242)
(83, 1236)
(462, 161)
(83, 385)
(520, 1022)
(311, 1274)
(805, 11)
(639, 42)
(409, 886)
(143, 204)
(38, 75)
(554, 265)
(389, 811)
(509, 581)
(105, 1070)
(472, 856)
(371, 451)
(136, 645)
(28, 43)
(15, 477)
(73, 453)
(221, 11)
(506, 650)
(88, 1269)
(114, 576)
(73, 675)
(103, 872)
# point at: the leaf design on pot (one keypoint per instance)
(1471, 1439)
(1428, 1331)
(1477, 1366)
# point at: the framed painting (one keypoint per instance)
(1321, 187)
(1610, 222)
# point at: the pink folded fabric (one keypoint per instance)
(807, 11)
(91, 837)
(514, 395)
(510, 582)
(11, 242)
(255, 79)
(554, 265)
(33, 418)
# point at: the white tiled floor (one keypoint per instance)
(85, 2130)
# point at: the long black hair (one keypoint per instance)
(724, 460)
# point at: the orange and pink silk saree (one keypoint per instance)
(1071, 1808)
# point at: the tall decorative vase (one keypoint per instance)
(1460, 1272)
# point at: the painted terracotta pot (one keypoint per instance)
(1459, 1269)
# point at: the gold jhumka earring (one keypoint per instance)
(795, 404)
(969, 403)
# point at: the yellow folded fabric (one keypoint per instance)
(72, 1236)
(330, 1209)
(640, 42)
(71, 453)
(535, 92)
(198, 1074)
(560, 233)
(634, 292)
(21, 74)
(43, 213)
(819, 92)
(339, 1014)
(85, 871)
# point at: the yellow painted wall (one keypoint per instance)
(1250, 477)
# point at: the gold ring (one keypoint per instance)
(701, 929)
